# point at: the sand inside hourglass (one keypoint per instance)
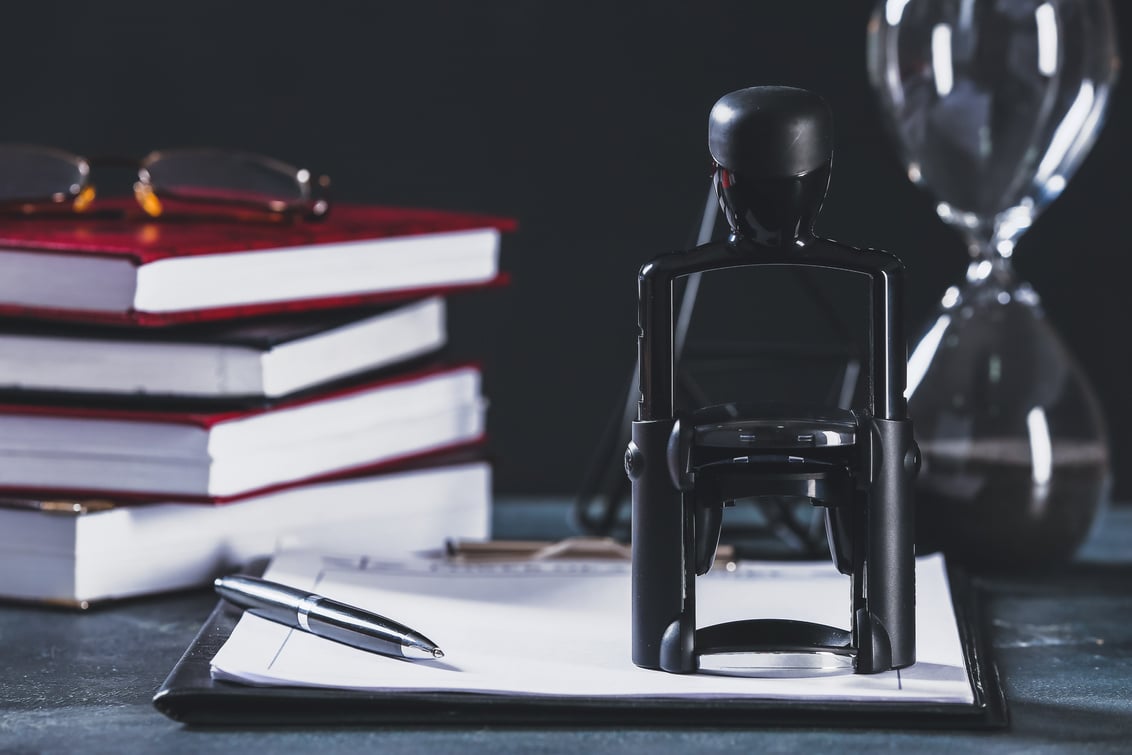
(998, 505)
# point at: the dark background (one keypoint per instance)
(586, 122)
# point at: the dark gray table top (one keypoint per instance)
(1063, 644)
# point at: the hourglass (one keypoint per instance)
(994, 103)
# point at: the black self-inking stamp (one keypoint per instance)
(772, 148)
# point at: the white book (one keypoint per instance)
(78, 553)
(266, 357)
(69, 449)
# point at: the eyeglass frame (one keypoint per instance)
(83, 194)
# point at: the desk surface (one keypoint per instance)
(1063, 644)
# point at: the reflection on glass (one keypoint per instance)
(994, 103)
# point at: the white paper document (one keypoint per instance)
(563, 629)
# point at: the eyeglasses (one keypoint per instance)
(191, 180)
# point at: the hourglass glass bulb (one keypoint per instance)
(994, 104)
(1013, 440)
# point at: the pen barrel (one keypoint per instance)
(278, 603)
(361, 629)
(325, 617)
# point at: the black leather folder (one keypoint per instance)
(191, 696)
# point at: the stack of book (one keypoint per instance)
(179, 397)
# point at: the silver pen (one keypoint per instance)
(327, 618)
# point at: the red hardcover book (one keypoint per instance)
(156, 272)
(141, 454)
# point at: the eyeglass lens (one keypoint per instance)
(36, 174)
(205, 175)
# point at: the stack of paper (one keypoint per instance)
(562, 629)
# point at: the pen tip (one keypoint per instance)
(422, 652)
